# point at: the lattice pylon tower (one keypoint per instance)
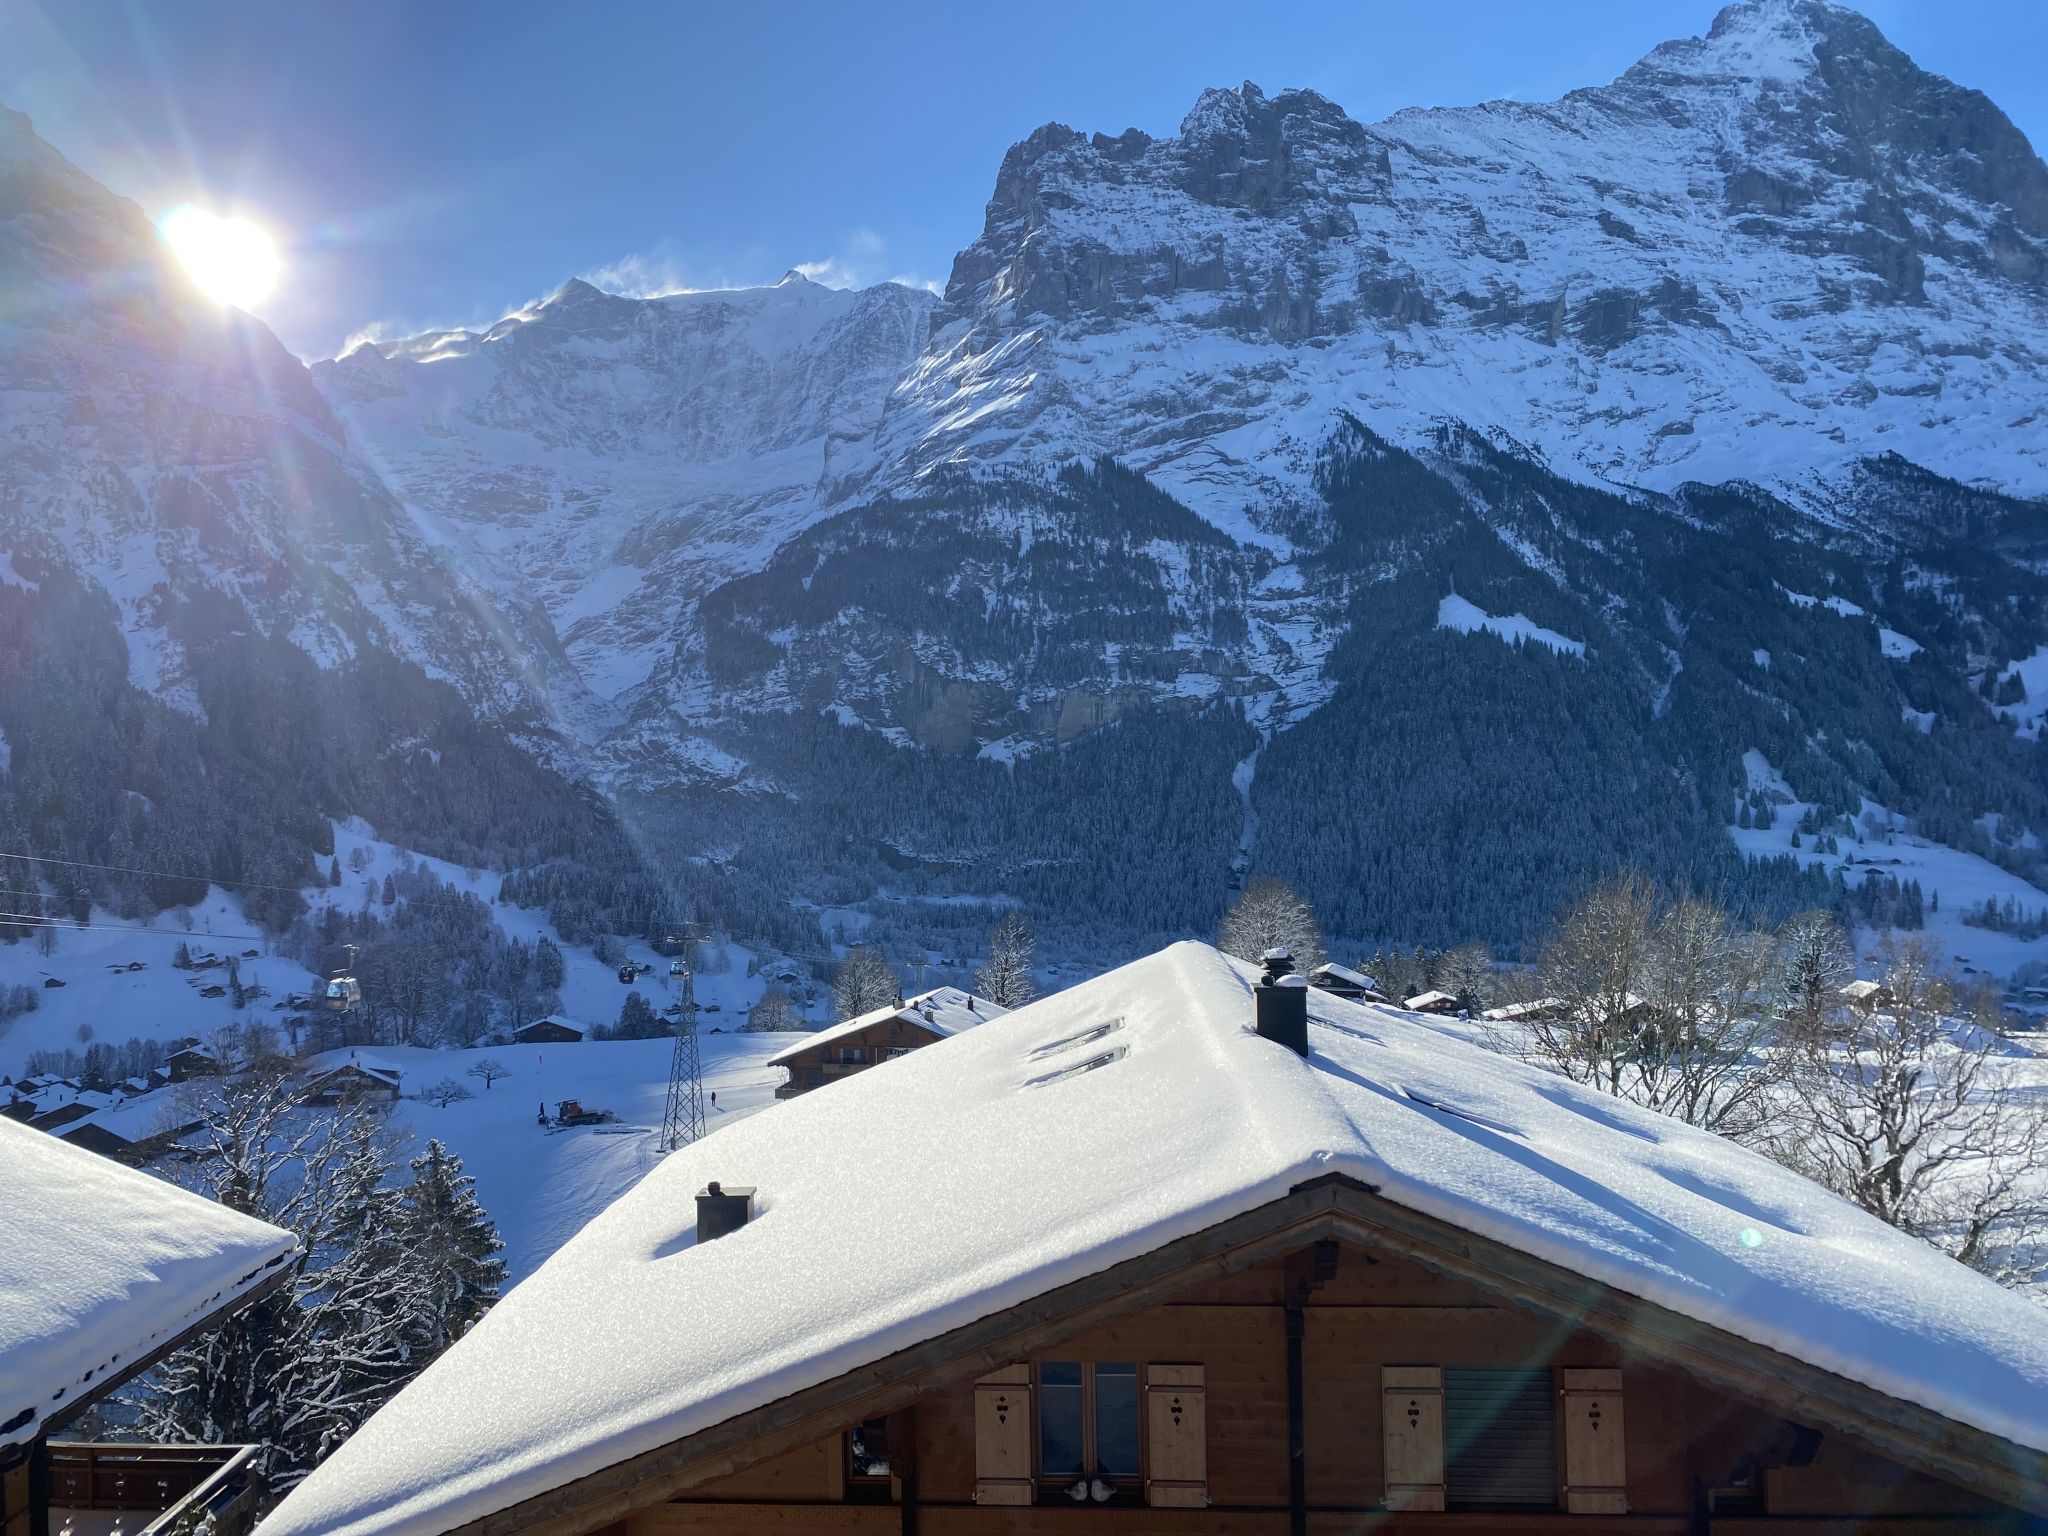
(682, 1122)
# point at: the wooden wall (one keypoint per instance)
(1681, 1439)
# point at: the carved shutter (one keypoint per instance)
(1002, 1436)
(1412, 1429)
(1595, 1455)
(1176, 1437)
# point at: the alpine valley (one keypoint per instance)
(1434, 512)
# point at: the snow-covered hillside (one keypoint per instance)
(613, 457)
(542, 1184)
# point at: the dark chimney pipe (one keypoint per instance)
(1281, 998)
(720, 1211)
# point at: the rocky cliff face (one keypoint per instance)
(1762, 253)
(612, 459)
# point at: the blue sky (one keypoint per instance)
(441, 163)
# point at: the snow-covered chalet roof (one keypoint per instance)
(943, 1010)
(990, 1168)
(103, 1264)
(1430, 999)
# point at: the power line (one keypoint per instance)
(39, 920)
(160, 874)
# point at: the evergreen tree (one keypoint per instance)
(637, 1020)
(334, 871)
(454, 1244)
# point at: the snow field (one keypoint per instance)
(1468, 618)
(1962, 879)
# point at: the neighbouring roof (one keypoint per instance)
(943, 1010)
(103, 1265)
(1093, 1127)
(1858, 991)
(1428, 1000)
(555, 1019)
(1536, 1008)
(1345, 974)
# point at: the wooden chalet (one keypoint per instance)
(1342, 981)
(1432, 1002)
(103, 1271)
(1188, 1250)
(358, 1080)
(882, 1035)
(552, 1030)
(194, 1059)
(1866, 996)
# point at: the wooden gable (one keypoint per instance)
(1412, 1296)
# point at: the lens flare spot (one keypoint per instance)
(1749, 1237)
(230, 260)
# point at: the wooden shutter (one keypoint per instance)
(1002, 1436)
(1595, 1454)
(1412, 1430)
(1176, 1437)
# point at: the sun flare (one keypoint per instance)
(230, 260)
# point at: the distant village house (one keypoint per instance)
(887, 1032)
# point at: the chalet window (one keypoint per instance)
(1088, 1429)
(1500, 1438)
(868, 1468)
(850, 1055)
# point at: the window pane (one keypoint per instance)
(1116, 1419)
(1500, 1438)
(1060, 1451)
(869, 1449)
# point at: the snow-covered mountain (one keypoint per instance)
(1761, 254)
(1125, 561)
(613, 458)
(171, 449)
(1765, 254)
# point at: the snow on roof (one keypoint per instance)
(1508, 1013)
(103, 1264)
(1430, 999)
(1344, 973)
(950, 1011)
(1030, 1172)
(1857, 991)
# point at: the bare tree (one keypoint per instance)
(1269, 914)
(1702, 1053)
(863, 983)
(490, 1069)
(773, 1012)
(1005, 977)
(1595, 969)
(1916, 1118)
(445, 1091)
(1673, 1009)
(1819, 962)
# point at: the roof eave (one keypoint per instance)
(1333, 1206)
(280, 1273)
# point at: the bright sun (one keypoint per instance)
(231, 261)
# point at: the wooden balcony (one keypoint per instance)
(107, 1489)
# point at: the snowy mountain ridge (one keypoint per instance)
(863, 589)
(1763, 254)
